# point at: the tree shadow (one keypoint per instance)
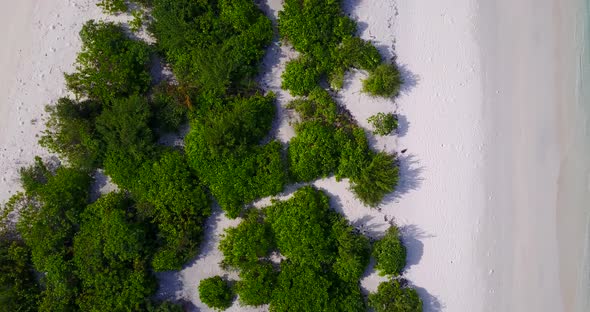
(412, 236)
(170, 284)
(410, 177)
(409, 79)
(430, 303)
(402, 125)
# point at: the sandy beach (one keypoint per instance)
(493, 181)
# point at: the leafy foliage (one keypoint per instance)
(385, 81)
(383, 124)
(328, 141)
(71, 132)
(223, 149)
(177, 204)
(256, 284)
(129, 142)
(170, 105)
(216, 293)
(325, 256)
(19, 290)
(392, 297)
(47, 225)
(376, 180)
(112, 6)
(110, 65)
(214, 45)
(390, 253)
(110, 256)
(245, 244)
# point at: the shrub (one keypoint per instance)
(300, 288)
(392, 297)
(314, 152)
(213, 45)
(124, 129)
(216, 293)
(383, 124)
(112, 6)
(71, 133)
(376, 180)
(256, 284)
(170, 106)
(300, 76)
(384, 81)
(301, 227)
(353, 251)
(180, 207)
(390, 253)
(355, 52)
(245, 244)
(109, 254)
(110, 65)
(47, 223)
(19, 290)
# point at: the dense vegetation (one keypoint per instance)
(324, 256)
(329, 142)
(212, 45)
(393, 297)
(66, 253)
(216, 293)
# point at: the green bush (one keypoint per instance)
(392, 297)
(357, 53)
(216, 293)
(113, 6)
(390, 253)
(300, 76)
(245, 244)
(223, 149)
(124, 129)
(301, 288)
(177, 205)
(71, 133)
(376, 180)
(170, 106)
(47, 224)
(19, 290)
(383, 124)
(301, 227)
(384, 81)
(109, 253)
(215, 45)
(313, 152)
(110, 65)
(256, 284)
(353, 251)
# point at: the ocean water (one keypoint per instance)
(573, 207)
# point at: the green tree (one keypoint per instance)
(353, 251)
(110, 65)
(392, 297)
(300, 288)
(390, 253)
(216, 293)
